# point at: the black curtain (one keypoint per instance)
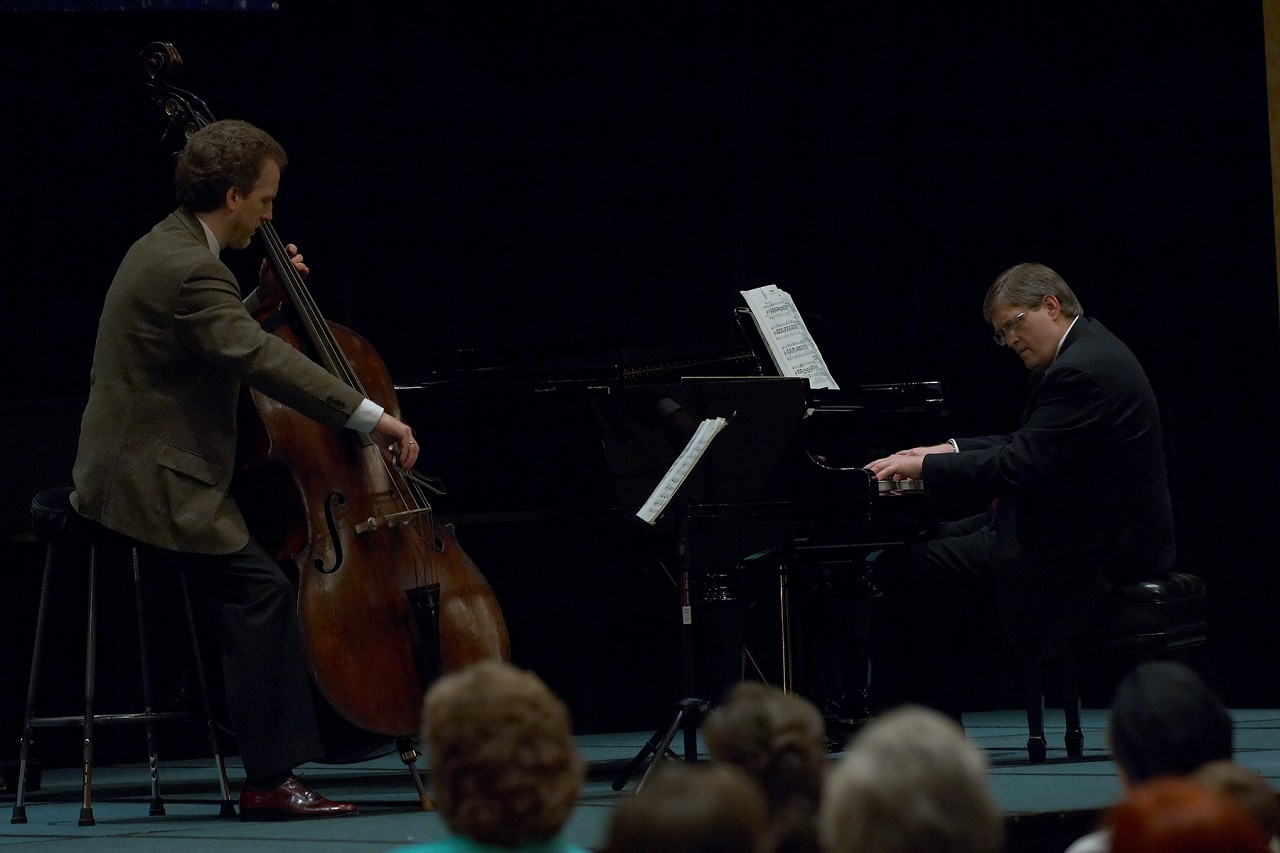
(471, 178)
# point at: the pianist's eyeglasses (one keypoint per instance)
(1002, 334)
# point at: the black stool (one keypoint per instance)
(60, 527)
(1149, 619)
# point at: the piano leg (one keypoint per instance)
(784, 625)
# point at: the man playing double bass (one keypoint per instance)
(158, 444)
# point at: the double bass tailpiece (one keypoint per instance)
(395, 519)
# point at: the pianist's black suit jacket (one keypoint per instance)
(1083, 493)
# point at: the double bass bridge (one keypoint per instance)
(395, 519)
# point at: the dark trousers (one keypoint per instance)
(928, 615)
(268, 688)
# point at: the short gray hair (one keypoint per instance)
(910, 782)
(1024, 285)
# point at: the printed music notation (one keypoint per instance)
(787, 337)
(679, 471)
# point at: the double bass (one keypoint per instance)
(387, 598)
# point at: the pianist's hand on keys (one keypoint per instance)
(905, 464)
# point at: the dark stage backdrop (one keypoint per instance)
(479, 177)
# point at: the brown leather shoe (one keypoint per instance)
(289, 800)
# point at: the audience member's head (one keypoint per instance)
(1166, 721)
(503, 762)
(1177, 815)
(1246, 787)
(692, 808)
(779, 739)
(910, 782)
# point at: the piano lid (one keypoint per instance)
(611, 358)
(592, 431)
(599, 446)
(630, 365)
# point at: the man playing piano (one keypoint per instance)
(1080, 498)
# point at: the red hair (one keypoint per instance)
(1176, 815)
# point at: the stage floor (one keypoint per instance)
(1047, 805)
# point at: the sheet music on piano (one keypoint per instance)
(679, 470)
(787, 337)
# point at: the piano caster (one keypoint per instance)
(1037, 750)
(1075, 743)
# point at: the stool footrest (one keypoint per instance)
(103, 719)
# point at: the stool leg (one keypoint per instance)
(19, 803)
(1071, 706)
(1036, 748)
(227, 808)
(148, 708)
(90, 673)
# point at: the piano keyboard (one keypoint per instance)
(895, 487)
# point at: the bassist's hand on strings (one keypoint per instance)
(396, 441)
(267, 277)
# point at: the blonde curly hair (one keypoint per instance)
(503, 762)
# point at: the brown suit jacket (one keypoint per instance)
(158, 436)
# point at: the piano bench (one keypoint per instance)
(1150, 619)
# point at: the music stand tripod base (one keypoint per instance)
(689, 715)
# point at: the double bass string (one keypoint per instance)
(291, 280)
(410, 494)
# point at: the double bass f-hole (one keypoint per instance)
(332, 502)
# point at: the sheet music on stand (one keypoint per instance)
(785, 334)
(679, 471)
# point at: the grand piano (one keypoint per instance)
(769, 539)
(545, 462)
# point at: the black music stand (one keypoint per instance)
(764, 414)
(690, 710)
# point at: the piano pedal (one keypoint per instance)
(844, 713)
(840, 730)
(852, 704)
